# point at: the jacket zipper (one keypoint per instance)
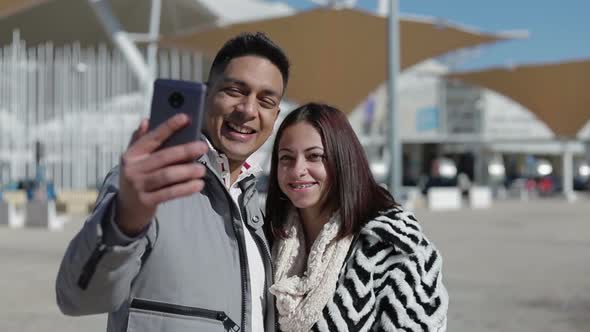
(241, 247)
(243, 263)
(272, 274)
(90, 266)
(174, 309)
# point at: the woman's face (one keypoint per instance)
(301, 172)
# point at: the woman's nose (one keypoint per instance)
(300, 167)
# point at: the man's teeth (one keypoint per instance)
(302, 186)
(239, 129)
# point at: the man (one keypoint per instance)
(177, 246)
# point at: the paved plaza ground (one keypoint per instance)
(520, 266)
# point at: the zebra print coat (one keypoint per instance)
(392, 281)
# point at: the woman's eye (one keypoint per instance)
(316, 157)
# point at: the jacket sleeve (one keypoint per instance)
(100, 262)
(409, 293)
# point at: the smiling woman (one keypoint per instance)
(301, 171)
(316, 144)
(346, 255)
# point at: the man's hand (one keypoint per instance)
(149, 177)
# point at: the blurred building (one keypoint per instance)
(82, 102)
(474, 127)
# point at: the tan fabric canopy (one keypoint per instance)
(11, 7)
(556, 93)
(339, 55)
(67, 21)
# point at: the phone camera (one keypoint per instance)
(176, 100)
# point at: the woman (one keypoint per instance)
(346, 256)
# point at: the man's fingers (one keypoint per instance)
(172, 155)
(171, 192)
(153, 139)
(139, 132)
(173, 175)
(144, 126)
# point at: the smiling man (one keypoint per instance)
(174, 245)
(242, 108)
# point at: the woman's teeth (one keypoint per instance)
(302, 186)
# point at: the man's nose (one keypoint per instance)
(248, 106)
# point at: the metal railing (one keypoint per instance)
(81, 104)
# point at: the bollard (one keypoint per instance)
(9, 216)
(444, 198)
(480, 197)
(41, 214)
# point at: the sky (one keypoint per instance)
(559, 30)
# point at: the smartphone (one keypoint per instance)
(172, 97)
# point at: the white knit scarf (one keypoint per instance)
(302, 291)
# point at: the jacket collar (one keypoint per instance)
(219, 163)
(246, 181)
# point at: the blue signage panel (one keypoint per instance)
(427, 118)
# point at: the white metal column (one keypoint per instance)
(568, 172)
(154, 32)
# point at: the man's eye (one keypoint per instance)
(268, 103)
(233, 91)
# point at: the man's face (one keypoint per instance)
(242, 106)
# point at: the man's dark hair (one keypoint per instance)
(257, 44)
